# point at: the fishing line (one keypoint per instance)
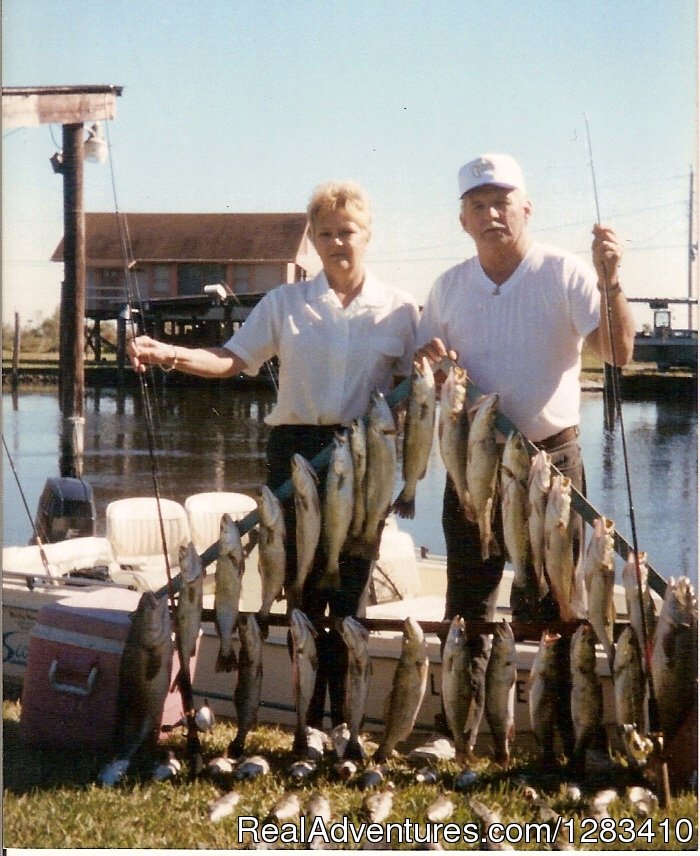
(185, 679)
(42, 554)
(617, 399)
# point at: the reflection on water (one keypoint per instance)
(213, 438)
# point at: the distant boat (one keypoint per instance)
(663, 344)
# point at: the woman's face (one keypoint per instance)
(341, 243)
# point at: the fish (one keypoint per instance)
(251, 767)
(304, 666)
(439, 749)
(223, 806)
(301, 770)
(419, 428)
(441, 808)
(271, 553)
(628, 681)
(337, 509)
(407, 691)
(642, 799)
(642, 615)
(456, 684)
(515, 473)
(188, 613)
(500, 691)
(340, 735)
(308, 523)
(378, 805)
(287, 807)
(345, 770)
(428, 775)
(219, 767)
(674, 658)
(543, 699)
(358, 450)
(205, 719)
(246, 696)
(453, 429)
(558, 545)
(482, 471)
(371, 777)
(356, 638)
(144, 677)
(167, 769)
(317, 807)
(586, 693)
(381, 465)
(538, 486)
(488, 818)
(599, 577)
(230, 565)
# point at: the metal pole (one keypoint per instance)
(691, 251)
(72, 342)
(15, 355)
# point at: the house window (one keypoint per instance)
(191, 279)
(242, 279)
(161, 280)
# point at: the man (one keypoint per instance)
(516, 316)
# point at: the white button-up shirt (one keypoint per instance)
(331, 358)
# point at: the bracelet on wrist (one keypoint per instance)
(172, 365)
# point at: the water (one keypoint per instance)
(211, 438)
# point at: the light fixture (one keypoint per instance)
(95, 146)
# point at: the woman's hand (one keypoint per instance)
(144, 351)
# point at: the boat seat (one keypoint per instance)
(133, 531)
(205, 510)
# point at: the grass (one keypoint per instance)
(51, 799)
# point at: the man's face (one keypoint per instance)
(495, 216)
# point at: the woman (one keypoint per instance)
(337, 337)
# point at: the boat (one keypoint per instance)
(405, 582)
(663, 344)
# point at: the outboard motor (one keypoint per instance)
(66, 510)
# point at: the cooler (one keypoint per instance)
(71, 686)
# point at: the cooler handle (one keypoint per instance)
(72, 688)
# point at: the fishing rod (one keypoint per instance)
(42, 554)
(653, 710)
(194, 751)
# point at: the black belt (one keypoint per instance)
(566, 435)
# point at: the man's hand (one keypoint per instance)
(607, 255)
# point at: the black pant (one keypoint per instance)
(308, 441)
(472, 583)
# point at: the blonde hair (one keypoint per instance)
(337, 195)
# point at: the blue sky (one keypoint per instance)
(240, 105)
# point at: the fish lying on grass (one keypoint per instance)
(308, 523)
(488, 818)
(317, 806)
(440, 809)
(418, 436)
(674, 659)
(223, 806)
(337, 509)
(586, 693)
(515, 473)
(482, 471)
(356, 638)
(456, 685)
(500, 691)
(539, 483)
(230, 565)
(249, 686)
(378, 805)
(453, 429)
(287, 807)
(358, 450)
(301, 770)
(407, 691)
(599, 576)
(304, 666)
(271, 553)
(381, 465)
(251, 767)
(558, 545)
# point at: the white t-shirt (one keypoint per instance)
(330, 358)
(523, 342)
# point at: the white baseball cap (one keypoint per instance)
(501, 170)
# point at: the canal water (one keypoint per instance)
(213, 438)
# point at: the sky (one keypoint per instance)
(243, 105)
